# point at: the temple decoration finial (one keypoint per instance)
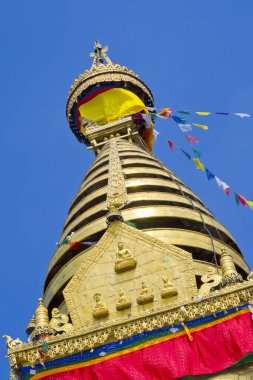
(41, 321)
(99, 55)
(230, 276)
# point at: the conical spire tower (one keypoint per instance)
(145, 282)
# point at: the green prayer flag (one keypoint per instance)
(44, 347)
(184, 112)
(197, 153)
(186, 154)
(237, 200)
(131, 224)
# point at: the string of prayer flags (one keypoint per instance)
(191, 139)
(171, 144)
(203, 113)
(186, 154)
(185, 127)
(205, 127)
(209, 174)
(240, 199)
(223, 185)
(199, 164)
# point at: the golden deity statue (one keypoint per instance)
(100, 310)
(122, 301)
(145, 295)
(168, 290)
(125, 260)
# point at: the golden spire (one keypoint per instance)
(41, 320)
(99, 54)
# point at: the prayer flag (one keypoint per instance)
(191, 139)
(205, 127)
(185, 127)
(242, 115)
(147, 119)
(223, 185)
(131, 224)
(184, 112)
(179, 119)
(209, 174)
(197, 153)
(186, 154)
(241, 199)
(156, 133)
(237, 200)
(250, 203)
(75, 245)
(151, 109)
(165, 113)
(171, 144)
(203, 113)
(222, 113)
(199, 164)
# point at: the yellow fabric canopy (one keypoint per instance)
(111, 105)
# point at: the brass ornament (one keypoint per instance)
(125, 260)
(210, 281)
(168, 290)
(116, 194)
(41, 321)
(12, 343)
(230, 276)
(122, 301)
(145, 295)
(100, 310)
(60, 322)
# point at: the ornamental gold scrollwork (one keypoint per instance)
(60, 322)
(12, 343)
(117, 193)
(210, 280)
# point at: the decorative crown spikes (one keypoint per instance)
(99, 55)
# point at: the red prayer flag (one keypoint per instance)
(242, 199)
(75, 244)
(191, 139)
(171, 144)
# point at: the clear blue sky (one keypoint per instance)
(194, 55)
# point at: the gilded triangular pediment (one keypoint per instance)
(128, 274)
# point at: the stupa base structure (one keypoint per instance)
(205, 333)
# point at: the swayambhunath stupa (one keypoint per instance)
(145, 283)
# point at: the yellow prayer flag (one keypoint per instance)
(111, 105)
(199, 164)
(203, 113)
(205, 127)
(250, 204)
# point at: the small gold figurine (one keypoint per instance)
(145, 295)
(125, 260)
(210, 280)
(100, 310)
(168, 290)
(60, 322)
(122, 302)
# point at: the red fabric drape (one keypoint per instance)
(212, 349)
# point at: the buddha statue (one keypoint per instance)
(168, 290)
(100, 310)
(145, 295)
(122, 301)
(125, 260)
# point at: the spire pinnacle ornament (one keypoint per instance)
(99, 55)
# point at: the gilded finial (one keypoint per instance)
(31, 326)
(41, 320)
(99, 55)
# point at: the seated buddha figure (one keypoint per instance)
(168, 289)
(100, 310)
(145, 295)
(122, 301)
(125, 260)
